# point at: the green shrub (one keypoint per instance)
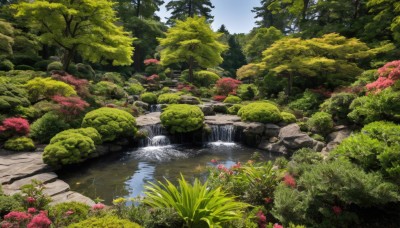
(181, 118)
(8, 204)
(331, 194)
(220, 108)
(19, 144)
(108, 90)
(203, 78)
(135, 89)
(89, 132)
(288, 117)
(107, 221)
(11, 96)
(85, 71)
(247, 91)
(71, 148)
(113, 77)
(197, 204)
(232, 99)
(338, 105)
(318, 137)
(149, 98)
(55, 66)
(384, 131)
(262, 112)
(111, 123)
(42, 65)
(308, 103)
(159, 217)
(61, 214)
(320, 122)
(24, 67)
(46, 127)
(6, 65)
(169, 98)
(39, 88)
(234, 109)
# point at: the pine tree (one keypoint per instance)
(181, 9)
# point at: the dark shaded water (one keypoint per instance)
(125, 174)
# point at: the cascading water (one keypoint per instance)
(222, 133)
(155, 108)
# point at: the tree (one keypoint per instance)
(260, 39)
(6, 39)
(331, 56)
(192, 41)
(80, 27)
(386, 17)
(138, 8)
(181, 9)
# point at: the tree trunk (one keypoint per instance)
(66, 59)
(138, 8)
(190, 8)
(290, 84)
(191, 62)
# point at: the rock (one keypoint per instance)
(148, 119)
(318, 146)
(220, 108)
(186, 99)
(56, 187)
(277, 148)
(272, 130)
(335, 138)
(273, 140)
(339, 127)
(208, 110)
(221, 119)
(71, 196)
(250, 127)
(141, 104)
(16, 185)
(115, 148)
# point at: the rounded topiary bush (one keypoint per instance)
(234, 109)
(46, 127)
(288, 117)
(89, 132)
(111, 123)
(320, 122)
(135, 89)
(71, 148)
(181, 118)
(169, 98)
(107, 221)
(232, 99)
(6, 65)
(262, 112)
(19, 144)
(339, 105)
(149, 98)
(61, 214)
(54, 66)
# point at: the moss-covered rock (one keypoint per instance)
(111, 123)
(181, 118)
(262, 112)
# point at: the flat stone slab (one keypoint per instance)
(152, 118)
(56, 187)
(221, 119)
(42, 177)
(71, 196)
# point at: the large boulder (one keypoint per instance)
(207, 109)
(250, 127)
(141, 104)
(335, 138)
(271, 130)
(186, 99)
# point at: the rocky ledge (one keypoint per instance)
(18, 169)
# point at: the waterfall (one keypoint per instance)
(154, 137)
(156, 108)
(222, 133)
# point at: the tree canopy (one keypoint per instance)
(181, 9)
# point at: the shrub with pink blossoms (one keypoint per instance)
(15, 219)
(151, 61)
(289, 180)
(227, 86)
(70, 105)
(388, 75)
(40, 221)
(15, 126)
(80, 85)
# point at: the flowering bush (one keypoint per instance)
(15, 126)
(8, 204)
(70, 106)
(227, 86)
(219, 98)
(388, 75)
(151, 61)
(153, 78)
(40, 221)
(80, 85)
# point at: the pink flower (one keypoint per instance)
(237, 165)
(6, 224)
(220, 167)
(213, 161)
(268, 200)
(69, 212)
(276, 225)
(98, 206)
(17, 125)
(30, 199)
(40, 221)
(262, 219)
(32, 210)
(17, 216)
(289, 180)
(151, 61)
(337, 210)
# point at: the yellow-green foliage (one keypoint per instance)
(250, 71)
(232, 99)
(111, 123)
(109, 90)
(86, 27)
(11, 96)
(181, 118)
(135, 89)
(59, 211)
(54, 66)
(205, 78)
(6, 39)
(19, 144)
(320, 122)
(89, 132)
(169, 98)
(262, 112)
(47, 126)
(38, 88)
(149, 98)
(234, 109)
(288, 117)
(71, 149)
(107, 221)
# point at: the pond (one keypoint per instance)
(125, 174)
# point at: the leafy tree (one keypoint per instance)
(80, 27)
(191, 41)
(233, 57)
(6, 39)
(386, 18)
(181, 9)
(258, 40)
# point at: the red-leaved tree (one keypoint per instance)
(226, 86)
(15, 126)
(388, 75)
(81, 85)
(70, 106)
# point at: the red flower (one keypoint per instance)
(220, 167)
(388, 75)
(262, 219)
(227, 85)
(213, 161)
(70, 105)
(17, 216)
(268, 200)
(98, 206)
(237, 165)
(30, 200)
(219, 98)
(40, 221)
(81, 85)
(153, 78)
(289, 180)
(276, 225)
(32, 210)
(16, 125)
(337, 210)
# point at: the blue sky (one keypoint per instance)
(236, 15)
